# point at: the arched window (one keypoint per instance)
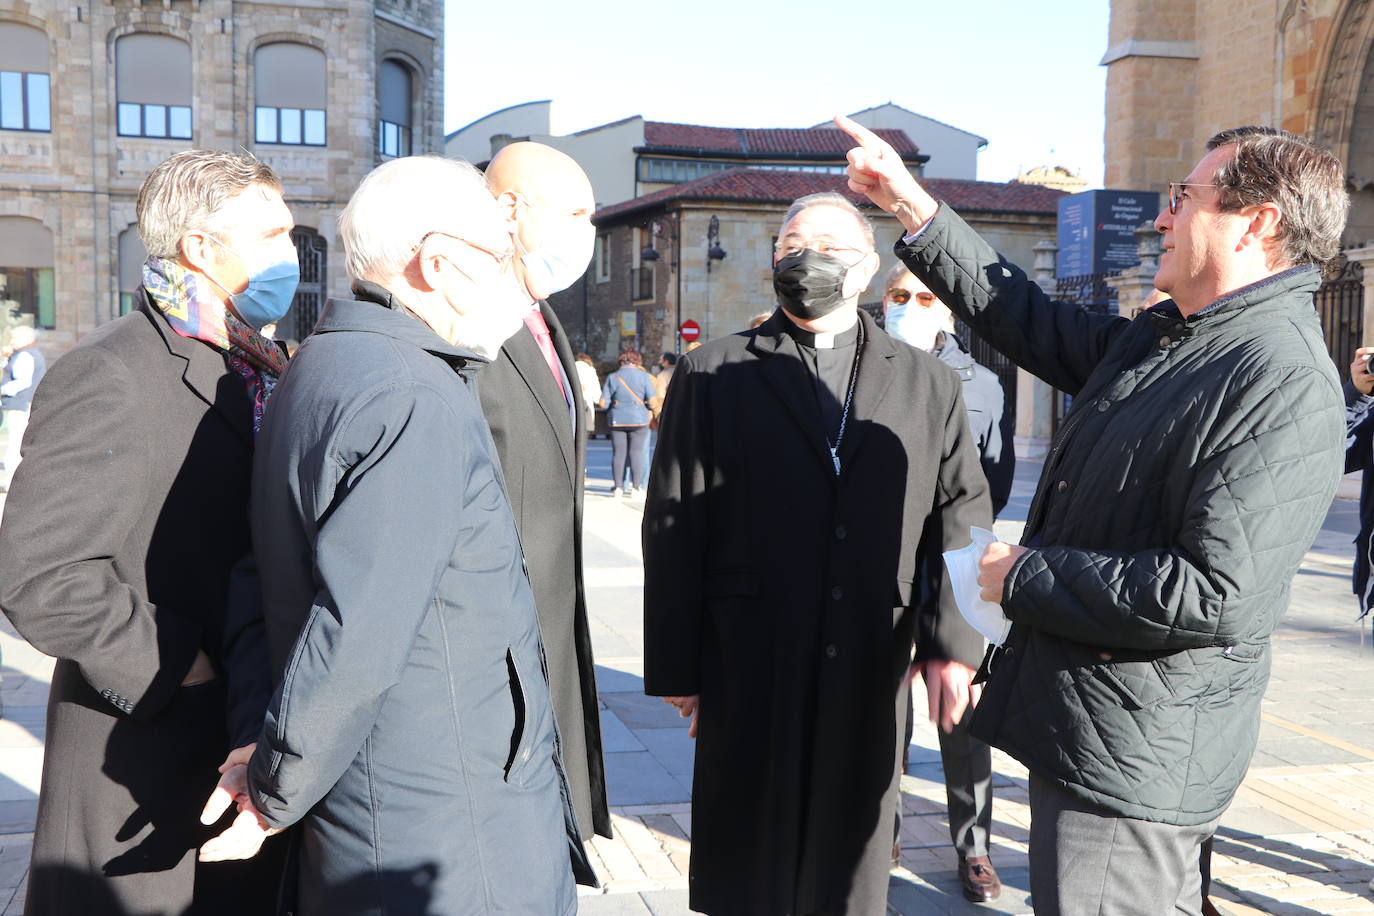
(26, 275)
(25, 89)
(312, 252)
(289, 85)
(394, 101)
(153, 86)
(132, 254)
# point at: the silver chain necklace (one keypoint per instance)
(849, 399)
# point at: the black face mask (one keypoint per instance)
(810, 284)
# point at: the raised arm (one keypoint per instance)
(1059, 342)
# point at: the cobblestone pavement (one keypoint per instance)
(1299, 838)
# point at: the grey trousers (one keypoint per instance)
(1087, 862)
(967, 763)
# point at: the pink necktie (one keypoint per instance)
(534, 320)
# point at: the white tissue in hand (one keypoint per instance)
(984, 616)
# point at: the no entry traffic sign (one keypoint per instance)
(690, 331)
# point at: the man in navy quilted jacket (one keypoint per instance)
(1182, 490)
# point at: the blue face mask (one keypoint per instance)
(269, 292)
(557, 265)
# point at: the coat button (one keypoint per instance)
(1102, 405)
(837, 593)
(832, 650)
(840, 533)
(1105, 656)
(1063, 486)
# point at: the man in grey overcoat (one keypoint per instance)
(411, 734)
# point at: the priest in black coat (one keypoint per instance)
(534, 406)
(809, 474)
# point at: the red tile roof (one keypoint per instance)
(752, 141)
(745, 185)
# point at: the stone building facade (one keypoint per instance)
(1180, 70)
(321, 90)
(714, 238)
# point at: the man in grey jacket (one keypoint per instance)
(1182, 490)
(411, 732)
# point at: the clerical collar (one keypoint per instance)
(824, 341)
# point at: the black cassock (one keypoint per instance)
(788, 597)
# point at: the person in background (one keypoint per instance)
(23, 371)
(125, 553)
(591, 385)
(533, 402)
(631, 399)
(693, 345)
(913, 314)
(662, 377)
(1359, 456)
(754, 322)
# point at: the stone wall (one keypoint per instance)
(81, 180)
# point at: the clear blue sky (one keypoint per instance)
(1023, 75)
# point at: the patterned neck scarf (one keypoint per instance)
(193, 313)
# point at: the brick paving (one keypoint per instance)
(1298, 840)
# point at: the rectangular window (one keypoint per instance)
(11, 100)
(154, 120)
(290, 126)
(314, 127)
(266, 125)
(602, 258)
(179, 122)
(130, 119)
(393, 140)
(31, 288)
(139, 120)
(37, 97)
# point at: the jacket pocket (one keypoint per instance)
(1141, 685)
(731, 583)
(522, 735)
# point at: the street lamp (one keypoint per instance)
(713, 250)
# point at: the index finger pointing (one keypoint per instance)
(860, 134)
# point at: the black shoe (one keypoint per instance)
(980, 880)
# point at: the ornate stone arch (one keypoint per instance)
(1341, 72)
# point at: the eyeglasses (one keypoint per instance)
(1177, 196)
(788, 249)
(503, 259)
(899, 296)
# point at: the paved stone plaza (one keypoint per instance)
(1299, 838)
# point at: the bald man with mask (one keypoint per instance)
(538, 420)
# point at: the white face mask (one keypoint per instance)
(915, 325)
(500, 308)
(560, 261)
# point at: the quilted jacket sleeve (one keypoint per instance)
(1359, 430)
(1056, 341)
(1259, 491)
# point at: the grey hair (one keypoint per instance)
(1305, 180)
(400, 202)
(829, 199)
(896, 271)
(187, 191)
